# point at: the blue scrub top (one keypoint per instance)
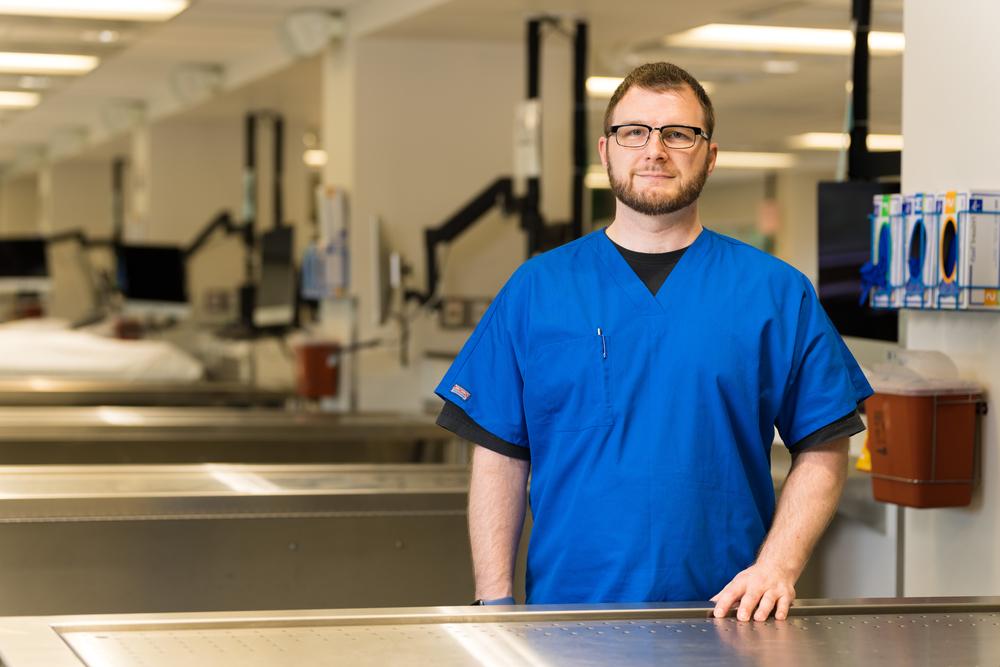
(650, 442)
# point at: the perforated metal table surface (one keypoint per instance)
(952, 631)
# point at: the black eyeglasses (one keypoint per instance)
(635, 135)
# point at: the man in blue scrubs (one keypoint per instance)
(639, 373)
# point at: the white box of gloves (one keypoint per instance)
(887, 250)
(969, 250)
(920, 244)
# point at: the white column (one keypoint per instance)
(76, 195)
(951, 100)
(19, 206)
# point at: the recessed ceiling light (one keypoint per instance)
(782, 39)
(835, 141)
(34, 82)
(12, 99)
(314, 157)
(781, 66)
(46, 63)
(102, 36)
(752, 160)
(118, 10)
(605, 86)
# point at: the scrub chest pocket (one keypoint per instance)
(567, 384)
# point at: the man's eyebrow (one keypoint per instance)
(642, 122)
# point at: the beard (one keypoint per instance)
(658, 203)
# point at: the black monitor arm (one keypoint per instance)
(499, 192)
(223, 222)
(80, 237)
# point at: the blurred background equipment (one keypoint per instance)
(153, 281)
(275, 309)
(24, 266)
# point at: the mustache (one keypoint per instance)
(650, 172)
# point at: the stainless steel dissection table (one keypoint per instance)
(100, 539)
(115, 434)
(52, 392)
(952, 631)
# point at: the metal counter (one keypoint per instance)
(952, 631)
(97, 539)
(53, 392)
(118, 434)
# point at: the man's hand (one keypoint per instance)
(761, 587)
(807, 503)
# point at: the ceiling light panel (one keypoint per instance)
(605, 86)
(46, 63)
(835, 141)
(752, 160)
(12, 99)
(116, 10)
(782, 39)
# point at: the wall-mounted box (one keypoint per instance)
(920, 246)
(887, 250)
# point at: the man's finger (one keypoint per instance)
(748, 604)
(784, 602)
(765, 606)
(727, 598)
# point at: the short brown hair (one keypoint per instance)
(661, 77)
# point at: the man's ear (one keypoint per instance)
(602, 150)
(713, 154)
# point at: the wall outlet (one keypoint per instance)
(453, 313)
(462, 312)
(477, 308)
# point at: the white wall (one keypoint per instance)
(195, 171)
(954, 551)
(798, 240)
(433, 126)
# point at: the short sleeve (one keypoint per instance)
(824, 381)
(486, 379)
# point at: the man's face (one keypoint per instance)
(655, 180)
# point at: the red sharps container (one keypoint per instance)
(922, 428)
(316, 369)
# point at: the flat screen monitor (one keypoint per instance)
(275, 306)
(387, 272)
(153, 280)
(24, 266)
(844, 247)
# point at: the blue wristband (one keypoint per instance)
(506, 600)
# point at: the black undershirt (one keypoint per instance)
(653, 269)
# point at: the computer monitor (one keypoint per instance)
(153, 280)
(24, 266)
(275, 306)
(844, 246)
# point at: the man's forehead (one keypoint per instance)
(678, 105)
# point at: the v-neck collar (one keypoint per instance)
(636, 290)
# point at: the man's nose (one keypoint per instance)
(654, 148)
